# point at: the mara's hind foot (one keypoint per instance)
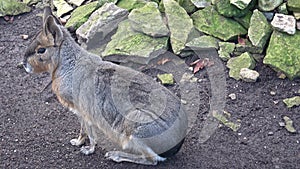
(87, 150)
(119, 156)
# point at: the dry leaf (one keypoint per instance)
(200, 64)
(163, 61)
(241, 41)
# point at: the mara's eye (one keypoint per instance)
(41, 50)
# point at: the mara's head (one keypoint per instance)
(39, 54)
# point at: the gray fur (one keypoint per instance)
(131, 109)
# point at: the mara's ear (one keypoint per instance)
(47, 12)
(52, 30)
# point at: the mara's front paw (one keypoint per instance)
(76, 142)
(87, 150)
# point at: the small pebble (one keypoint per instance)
(20, 65)
(232, 96)
(281, 76)
(64, 19)
(282, 124)
(270, 133)
(24, 37)
(183, 101)
(272, 93)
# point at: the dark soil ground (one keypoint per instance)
(35, 129)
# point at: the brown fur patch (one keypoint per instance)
(56, 83)
(37, 66)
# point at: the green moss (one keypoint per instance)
(166, 78)
(131, 4)
(81, 14)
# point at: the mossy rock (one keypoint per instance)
(210, 22)
(237, 63)
(13, 7)
(291, 102)
(260, 30)
(148, 20)
(128, 42)
(81, 14)
(131, 4)
(293, 5)
(166, 79)
(179, 23)
(225, 8)
(283, 53)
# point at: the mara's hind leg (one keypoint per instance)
(82, 135)
(92, 137)
(145, 155)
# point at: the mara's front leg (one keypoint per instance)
(82, 135)
(91, 133)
